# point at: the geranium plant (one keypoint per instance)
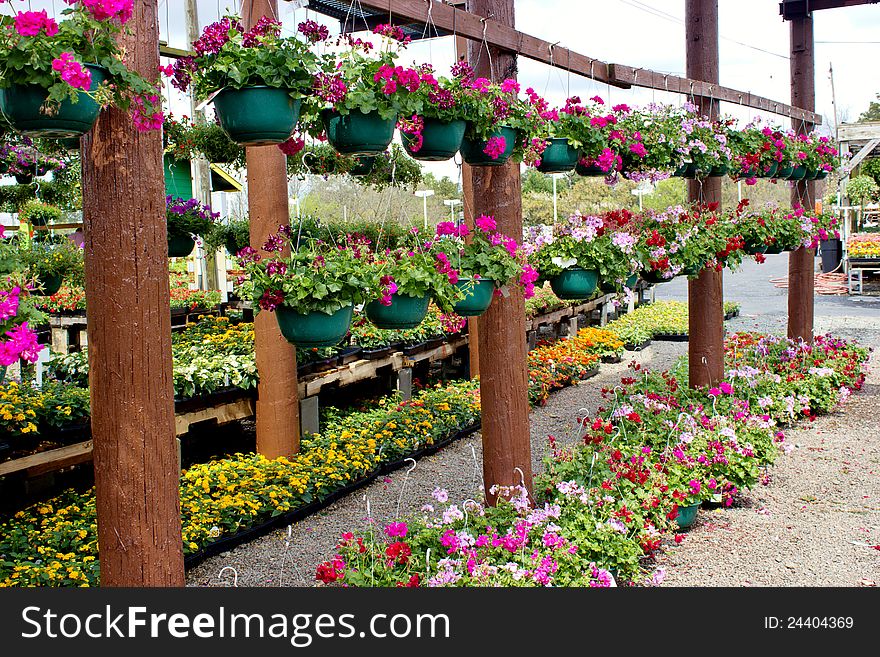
(227, 56)
(315, 277)
(17, 311)
(485, 253)
(78, 55)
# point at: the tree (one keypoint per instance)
(872, 113)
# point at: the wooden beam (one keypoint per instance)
(628, 76)
(858, 131)
(865, 151)
(794, 9)
(53, 459)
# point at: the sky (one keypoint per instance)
(641, 33)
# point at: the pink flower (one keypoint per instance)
(292, 146)
(146, 113)
(446, 228)
(396, 530)
(102, 10)
(485, 223)
(495, 147)
(695, 486)
(30, 23)
(639, 149)
(510, 86)
(72, 72)
(22, 343)
(726, 388)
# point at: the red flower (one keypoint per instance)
(399, 552)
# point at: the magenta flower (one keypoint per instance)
(72, 72)
(396, 530)
(486, 223)
(30, 23)
(292, 146)
(726, 388)
(495, 147)
(695, 486)
(510, 86)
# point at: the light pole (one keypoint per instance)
(424, 194)
(451, 203)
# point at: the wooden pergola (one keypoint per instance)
(136, 469)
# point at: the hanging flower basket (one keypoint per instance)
(610, 287)
(70, 143)
(588, 170)
(404, 312)
(440, 140)
(314, 329)
(774, 250)
(478, 296)
(473, 150)
(357, 133)
(821, 174)
(687, 170)
(754, 248)
(50, 284)
(575, 283)
(180, 246)
(687, 516)
(257, 116)
(770, 172)
(783, 172)
(558, 157)
(363, 165)
(718, 171)
(798, 173)
(693, 270)
(24, 178)
(653, 277)
(21, 104)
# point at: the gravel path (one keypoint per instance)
(289, 557)
(818, 521)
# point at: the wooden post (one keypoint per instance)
(467, 194)
(129, 333)
(705, 293)
(496, 191)
(801, 262)
(277, 397)
(201, 170)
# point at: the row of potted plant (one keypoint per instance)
(661, 318)
(314, 289)
(613, 250)
(863, 245)
(636, 473)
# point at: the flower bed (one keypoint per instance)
(659, 319)
(604, 506)
(863, 245)
(55, 543)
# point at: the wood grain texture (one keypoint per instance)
(705, 293)
(277, 402)
(129, 335)
(801, 262)
(503, 354)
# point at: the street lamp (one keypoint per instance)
(451, 203)
(424, 194)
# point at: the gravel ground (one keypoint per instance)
(289, 557)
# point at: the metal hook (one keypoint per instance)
(234, 575)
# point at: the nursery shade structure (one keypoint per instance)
(277, 396)
(129, 331)
(705, 293)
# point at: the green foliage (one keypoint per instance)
(862, 189)
(872, 113)
(871, 167)
(37, 213)
(52, 256)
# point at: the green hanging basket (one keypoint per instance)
(821, 174)
(405, 312)
(257, 116)
(575, 283)
(24, 178)
(478, 296)
(687, 170)
(718, 171)
(783, 172)
(798, 173)
(50, 284)
(588, 170)
(770, 171)
(357, 133)
(363, 165)
(775, 249)
(472, 149)
(753, 247)
(811, 174)
(180, 246)
(558, 157)
(21, 104)
(687, 516)
(314, 329)
(440, 140)
(653, 277)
